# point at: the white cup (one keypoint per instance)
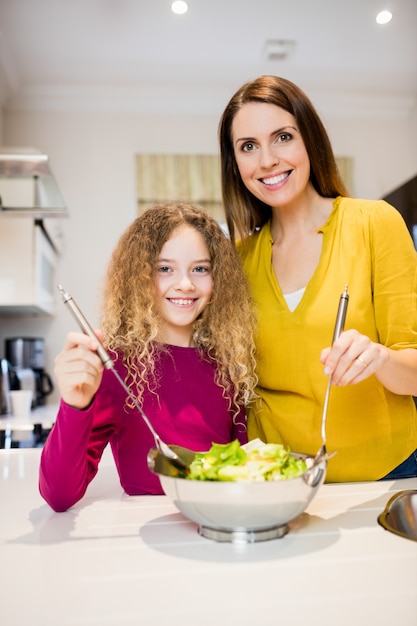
(21, 402)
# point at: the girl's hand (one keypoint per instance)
(353, 358)
(78, 370)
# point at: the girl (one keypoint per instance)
(178, 322)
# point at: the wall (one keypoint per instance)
(92, 157)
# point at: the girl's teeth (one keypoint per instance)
(181, 301)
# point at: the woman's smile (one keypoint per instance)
(275, 181)
(270, 153)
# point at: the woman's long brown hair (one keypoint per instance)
(244, 212)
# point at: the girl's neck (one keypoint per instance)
(181, 337)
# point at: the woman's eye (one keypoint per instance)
(247, 147)
(284, 137)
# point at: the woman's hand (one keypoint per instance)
(354, 357)
(78, 370)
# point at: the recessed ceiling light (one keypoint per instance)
(179, 7)
(384, 17)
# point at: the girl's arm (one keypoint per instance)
(71, 454)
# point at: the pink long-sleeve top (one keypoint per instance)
(189, 410)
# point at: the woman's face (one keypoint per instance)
(184, 283)
(270, 153)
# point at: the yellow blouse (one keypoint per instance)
(366, 245)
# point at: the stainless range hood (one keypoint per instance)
(27, 185)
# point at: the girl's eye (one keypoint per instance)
(201, 269)
(163, 269)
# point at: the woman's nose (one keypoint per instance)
(269, 157)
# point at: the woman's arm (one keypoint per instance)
(393, 281)
(354, 357)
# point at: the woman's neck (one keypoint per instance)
(301, 218)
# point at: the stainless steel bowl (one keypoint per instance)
(240, 511)
(400, 514)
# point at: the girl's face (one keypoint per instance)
(270, 153)
(184, 283)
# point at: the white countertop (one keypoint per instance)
(44, 415)
(115, 560)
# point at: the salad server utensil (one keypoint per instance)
(339, 326)
(177, 456)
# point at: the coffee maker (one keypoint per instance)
(8, 382)
(27, 357)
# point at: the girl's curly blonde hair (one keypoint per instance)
(131, 320)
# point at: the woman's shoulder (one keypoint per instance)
(372, 212)
(365, 205)
(255, 239)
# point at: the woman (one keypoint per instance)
(302, 239)
(178, 320)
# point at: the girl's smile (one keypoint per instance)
(181, 302)
(184, 284)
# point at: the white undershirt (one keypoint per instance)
(293, 299)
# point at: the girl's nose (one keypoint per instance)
(185, 284)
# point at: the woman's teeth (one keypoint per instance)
(275, 179)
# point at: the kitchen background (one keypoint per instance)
(93, 84)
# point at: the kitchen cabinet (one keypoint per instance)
(53, 226)
(28, 261)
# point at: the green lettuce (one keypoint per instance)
(254, 462)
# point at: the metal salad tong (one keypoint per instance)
(339, 326)
(177, 456)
